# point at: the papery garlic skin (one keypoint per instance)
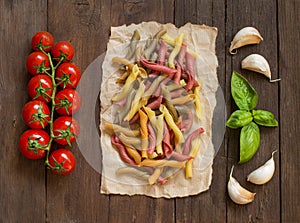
(264, 173)
(237, 193)
(246, 36)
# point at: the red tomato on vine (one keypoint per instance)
(36, 114)
(37, 63)
(63, 50)
(40, 87)
(33, 142)
(65, 130)
(62, 161)
(42, 40)
(68, 75)
(67, 102)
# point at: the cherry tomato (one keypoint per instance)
(40, 87)
(37, 63)
(62, 161)
(33, 142)
(42, 40)
(68, 75)
(36, 114)
(63, 51)
(67, 102)
(65, 129)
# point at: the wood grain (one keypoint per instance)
(201, 12)
(22, 184)
(140, 208)
(289, 53)
(85, 24)
(241, 14)
(29, 193)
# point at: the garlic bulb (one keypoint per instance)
(237, 193)
(264, 173)
(245, 36)
(257, 63)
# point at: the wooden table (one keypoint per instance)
(29, 193)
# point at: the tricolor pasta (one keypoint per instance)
(152, 128)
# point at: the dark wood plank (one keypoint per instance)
(77, 198)
(289, 55)
(22, 185)
(266, 206)
(136, 11)
(199, 208)
(139, 208)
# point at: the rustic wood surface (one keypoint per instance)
(29, 193)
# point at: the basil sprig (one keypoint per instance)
(243, 93)
(246, 98)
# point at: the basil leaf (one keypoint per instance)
(264, 118)
(249, 141)
(242, 92)
(238, 119)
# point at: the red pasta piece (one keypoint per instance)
(167, 147)
(190, 64)
(177, 93)
(187, 123)
(155, 104)
(162, 52)
(177, 75)
(181, 55)
(152, 138)
(191, 82)
(180, 157)
(122, 150)
(188, 142)
(157, 67)
(162, 180)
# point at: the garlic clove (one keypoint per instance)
(246, 36)
(264, 173)
(237, 193)
(258, 63)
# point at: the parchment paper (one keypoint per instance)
(199, 38)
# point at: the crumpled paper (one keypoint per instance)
(199, 38)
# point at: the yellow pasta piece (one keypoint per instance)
(159, 126)
(144, 133)
(189, 169)
(189, 164)
(153, 155)
(134, 154)
(124, 61)
(136, 102)
(176, 49)
(198, 104)
(162, 163)
(168, 117)
(130, 141)
(123, 77)
(168, 39)
(153, 86)
(151, 115)
(184, 99)
(119, 129)
(195, 147)
(172, 110)
(128, 84)
(153, 178)
(144, 73)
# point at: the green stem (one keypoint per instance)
(52, 75)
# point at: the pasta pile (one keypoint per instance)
(156, 107)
